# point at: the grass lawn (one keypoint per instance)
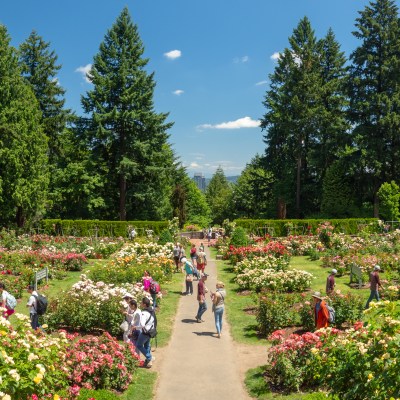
(258, 389)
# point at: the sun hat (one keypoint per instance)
(317, 295)
(183, 259)
(334, 271)
(127, 295)
(377, 268)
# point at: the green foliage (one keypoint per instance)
(350, 226)
(99, 228)
(218, 194)
(23, 146)
(165, 237)
(127, 138)
(100, 394)
(389, 197)
(275, 311)
(239, 237)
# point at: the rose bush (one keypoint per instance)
(91, 306)
(282, 281)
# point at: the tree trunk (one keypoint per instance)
(20, 217)
(281, 208)
(122, 197)
(298, 187)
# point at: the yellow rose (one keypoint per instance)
(56, 397)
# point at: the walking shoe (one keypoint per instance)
(147, 364)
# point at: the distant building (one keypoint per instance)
(200, 181)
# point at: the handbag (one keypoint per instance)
(189, 278)
(124, 326)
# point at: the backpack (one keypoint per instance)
(152, 332)
(332, 314)
(41, 304)
(154, 287)
(11, 301)
(200, 259)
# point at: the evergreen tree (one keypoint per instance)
(218, 195)
(337, 196)
(252, 193)
(292, 118)
(23, 146)
(39, 66)
(198, 211)
(127, 137)
(332, 134)
(374, 89)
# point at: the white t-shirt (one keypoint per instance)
(32, 303)
(146, 320)
(136, 320)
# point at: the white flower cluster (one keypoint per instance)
(285, 281)
(264, 262)
(100, 291)
(144, 251)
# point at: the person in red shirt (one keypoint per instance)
(375, 282)
(321, 312)
(330, 282)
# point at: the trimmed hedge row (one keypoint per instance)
(285, 227)
(99, 228)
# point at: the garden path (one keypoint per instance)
(196, 364)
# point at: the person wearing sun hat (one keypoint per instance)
(321, 312)
(330, 282)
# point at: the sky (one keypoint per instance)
(211, 60)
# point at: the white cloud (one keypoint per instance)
(243, 59)
(276, 56)
(173, 54)
(178, 92)
(84, 71)
(194, 165)
(261, 83)
(245, 122)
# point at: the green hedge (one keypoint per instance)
(285, 227)
(99, 228)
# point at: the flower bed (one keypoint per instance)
(91, 307)
(264, 262)
(236, 254)
(359, 363)
(270, 279)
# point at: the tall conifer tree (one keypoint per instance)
(375, 94)
(127, 137)
(23, 146)
(39, 66)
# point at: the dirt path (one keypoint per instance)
(196, 364)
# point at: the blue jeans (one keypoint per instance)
(218, 313)
(202, 309)
(34, 321)
(154, 297)
(374, 295)
(143, 345)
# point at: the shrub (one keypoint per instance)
(275, 311)
(101, 362)
(91, 307)
(239, 237)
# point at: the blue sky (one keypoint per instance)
(211, 60)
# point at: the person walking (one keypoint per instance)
(330, 282)
(147, 322)
(201, 298)
(5, 301)
(321, 312)
(32, 305)
(135, 328)
(375, 283)
(193, 254)
(176, 253)
(201, 262)
(218, 300)
(189, 276)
